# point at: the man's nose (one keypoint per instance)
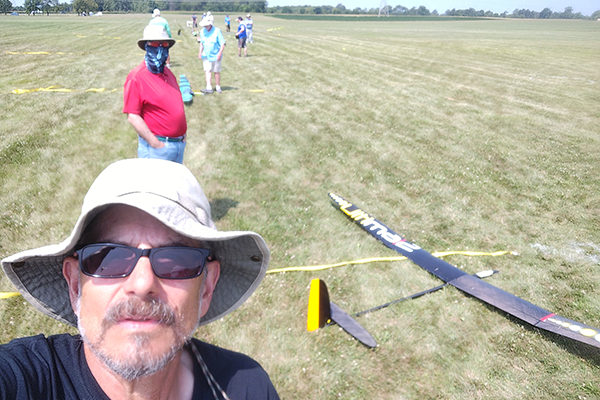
(142, 280)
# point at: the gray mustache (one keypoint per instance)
(136, 308)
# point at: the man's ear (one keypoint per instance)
(71, 274)
(213, 270)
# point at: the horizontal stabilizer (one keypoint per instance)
(349, 324)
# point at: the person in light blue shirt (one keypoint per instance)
(228, 23)
(249, 24)
(212, 45)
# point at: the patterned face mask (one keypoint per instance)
(156, 58)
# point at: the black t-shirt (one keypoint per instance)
(55, 368)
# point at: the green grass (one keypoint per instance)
(460, 135)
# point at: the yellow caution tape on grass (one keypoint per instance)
(438, 254)
(48, 89)
(62, 90)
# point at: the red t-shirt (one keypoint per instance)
(157, 99)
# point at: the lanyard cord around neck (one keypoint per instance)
(212, 382)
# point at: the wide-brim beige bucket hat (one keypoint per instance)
(154, 33)
(169, 192)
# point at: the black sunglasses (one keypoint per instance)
(108, 260)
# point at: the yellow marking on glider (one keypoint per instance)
(6, 295)
(438, 254)
(588, 332)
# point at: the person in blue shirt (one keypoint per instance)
(241, 36)
(228, 23)
(212, 45)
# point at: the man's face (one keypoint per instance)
(137, 324)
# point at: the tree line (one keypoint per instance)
(146, 6)
(400, 10)
(133, 6)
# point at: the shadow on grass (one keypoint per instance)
(582, 350)
(220, 207)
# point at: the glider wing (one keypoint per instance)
(485, 292)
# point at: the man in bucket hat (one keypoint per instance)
(211, 49)
(153, 102)
(142, 268)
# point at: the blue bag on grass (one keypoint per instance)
(186, 90)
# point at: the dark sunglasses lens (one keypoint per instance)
(107, 261)
(179, 263)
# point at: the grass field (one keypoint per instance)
(459, 135)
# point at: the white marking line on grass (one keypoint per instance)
(573, 252)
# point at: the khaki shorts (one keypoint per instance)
(212, 66)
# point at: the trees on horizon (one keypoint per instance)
(146, 6)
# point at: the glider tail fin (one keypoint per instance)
(321, 311)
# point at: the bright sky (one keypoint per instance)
(586, 7)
